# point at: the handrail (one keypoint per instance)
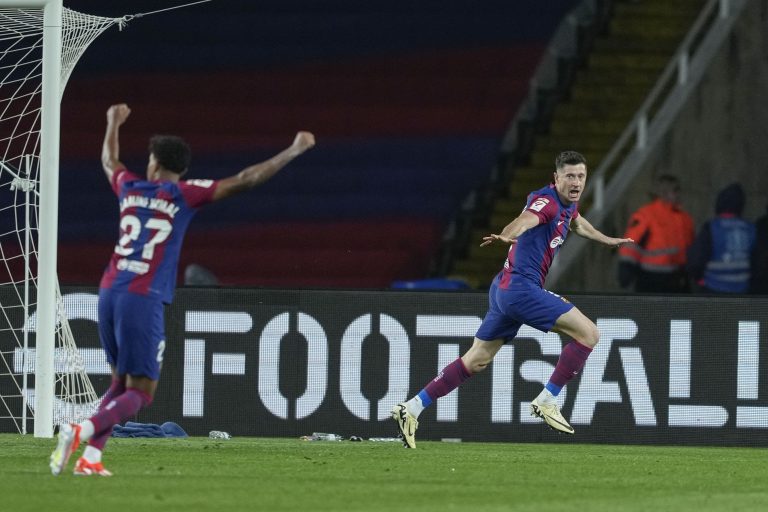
(690, 64)
(639, 123)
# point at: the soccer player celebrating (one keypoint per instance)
(139, 280)
(517, 296)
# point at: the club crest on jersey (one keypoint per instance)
(558, 240)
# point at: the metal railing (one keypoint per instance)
(630, 152)
(676, 73)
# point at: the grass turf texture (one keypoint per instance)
(286, 474)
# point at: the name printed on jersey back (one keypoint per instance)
(153, 203)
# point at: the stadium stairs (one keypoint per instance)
(611, 79)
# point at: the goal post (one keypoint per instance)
(40, 43)
(48, 224)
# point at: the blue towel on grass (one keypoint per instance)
(132, 429)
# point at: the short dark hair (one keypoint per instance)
(665, 184)
(731, 200)
(569, 158)
(171, 152)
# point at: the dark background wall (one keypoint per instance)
(408, 102)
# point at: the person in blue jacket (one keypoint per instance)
(719, 261)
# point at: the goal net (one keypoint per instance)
(22, 116)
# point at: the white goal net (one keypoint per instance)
(21, 114)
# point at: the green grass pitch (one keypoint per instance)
(199, 474)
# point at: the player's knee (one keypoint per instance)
(592, 336)
(477, 362)
(478, 366)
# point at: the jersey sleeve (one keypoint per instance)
(121, 176)
(198, 193)
(637, 229)
(544, 207)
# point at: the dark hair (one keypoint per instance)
(171, 152)
(730, 200)
(569, 158)
(664, 184)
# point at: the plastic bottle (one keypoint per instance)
(218, 434)
(322, 436)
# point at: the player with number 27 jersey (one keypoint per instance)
(155, 212)
(154, 216)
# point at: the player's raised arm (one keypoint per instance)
(514, 229)
(110, 150)
(582, 227)
(257, 174)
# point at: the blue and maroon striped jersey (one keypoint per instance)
(154, 216)
(532, 255)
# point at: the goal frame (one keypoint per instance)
(48, 211)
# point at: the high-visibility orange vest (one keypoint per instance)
(662, 233)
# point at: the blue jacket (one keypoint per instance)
(725, 247)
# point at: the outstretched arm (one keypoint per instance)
(582, 227)
(110, 150)
(514, 229)
(257, 174)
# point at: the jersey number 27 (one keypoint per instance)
(130, 227)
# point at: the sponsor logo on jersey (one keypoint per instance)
(558, 240)
(539, 204)
(136, 267)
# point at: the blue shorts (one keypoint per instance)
(132, 332)
(523, 303)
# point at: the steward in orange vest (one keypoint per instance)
(663, 232)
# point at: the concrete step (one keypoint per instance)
(544, 160)
(658, 8)
(553, 146)
(564, 127)
(610, 79)
(627, 61)
(651, 29)
(581, 92)
(612, 45)
(581, 113)
(628, 95)
(611, 103)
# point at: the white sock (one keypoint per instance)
(92, 454)
(86, 430)
(414, 406)
(546, 396)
